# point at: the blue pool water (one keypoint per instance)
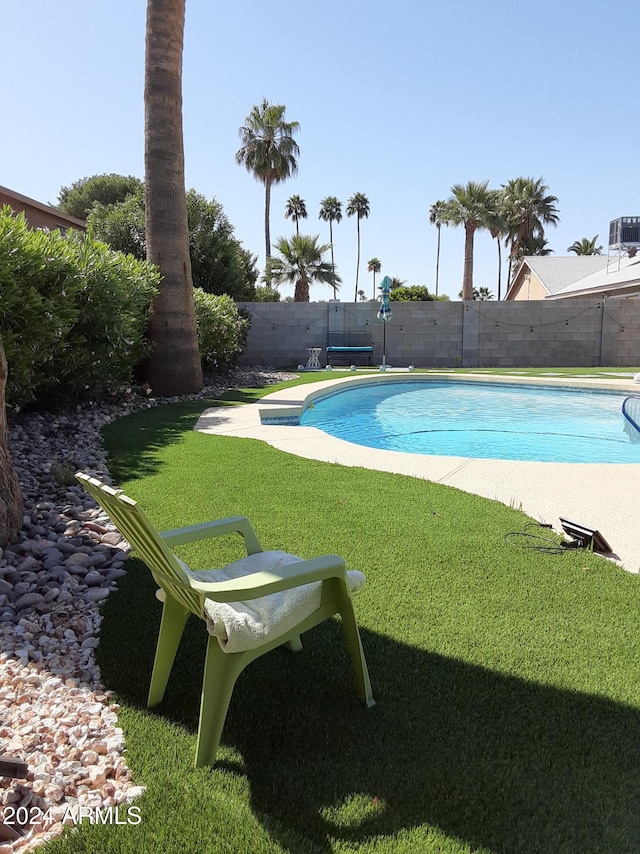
(464, 419)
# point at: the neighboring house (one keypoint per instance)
(543, 277)
(39, 215)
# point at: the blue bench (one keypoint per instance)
(349, 345)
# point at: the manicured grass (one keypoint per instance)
(506, 680)
(605, 373)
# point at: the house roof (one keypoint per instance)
(622, 274)
(7, 195)
(556, 274)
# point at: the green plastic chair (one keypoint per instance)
(272, 575)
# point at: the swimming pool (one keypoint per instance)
(480, 420)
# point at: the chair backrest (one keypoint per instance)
(134, 525)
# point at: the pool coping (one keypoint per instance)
(596, 495)
(311, 392)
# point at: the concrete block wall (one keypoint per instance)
(538, 333)
(280, 332)
(545, 334)
(621, 335)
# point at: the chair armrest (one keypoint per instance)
(215, 528)
(273, 581)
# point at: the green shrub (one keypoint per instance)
(219, 262)
(109, 337)
(121, 226)
(264, 293)
(73, 314)
(79, 198)
(37, 309)
(222, 330)
(411, 293)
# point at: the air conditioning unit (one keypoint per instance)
(624, 232)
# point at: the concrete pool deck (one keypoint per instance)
(604, 497)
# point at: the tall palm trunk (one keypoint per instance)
(10, 492)
(438, 258)
(333, 263)
(267, 206)
(355, 299)
(174, 367)
(499, 267)
(301, 293)
(467, 275)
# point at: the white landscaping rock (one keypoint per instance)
(54, 712)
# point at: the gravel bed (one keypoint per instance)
(55, 714)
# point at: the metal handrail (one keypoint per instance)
(631, 413)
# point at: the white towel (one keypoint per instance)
(246, 625)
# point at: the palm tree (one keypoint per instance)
(374, 266)
(174, 366)
(479, 294)
(331, 211)
(296, 209)
(269, 151)
(498, 230)
(536, 246)
(472, 206)
(358, 205)
(301, 262)
(528, 207)
(435, 218)
(586, 246)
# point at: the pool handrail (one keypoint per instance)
(631, 413)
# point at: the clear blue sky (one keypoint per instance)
(398, 100)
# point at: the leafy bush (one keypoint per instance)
(219, 262)
(222, 330)
(36, 310)
(414, 293)
(109, 337)
(73, 313)
(264, 293)
(121, 225)
(411, 293)
(79, 198)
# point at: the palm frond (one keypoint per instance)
(358, 205)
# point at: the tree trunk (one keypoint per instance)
(467, 275)
(10, 492)
(174, 367)
(333, 263)
(355, 299)
(438, 260)
(499, 267)
(267, 228)
(302, 290)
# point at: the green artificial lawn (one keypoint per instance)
(604, 373)
(506, 679)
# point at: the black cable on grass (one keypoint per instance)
(537, 542)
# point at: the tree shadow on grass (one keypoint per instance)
(135, 440)
(139, 436)
(493, 761)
